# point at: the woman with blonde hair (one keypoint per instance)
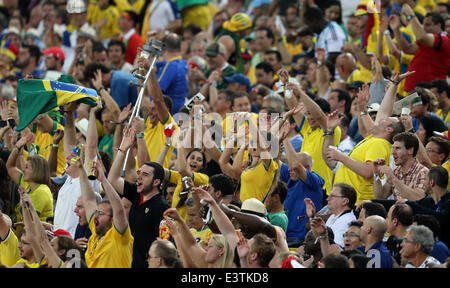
(35, 177)
(217, 254)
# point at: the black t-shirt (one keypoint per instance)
(394, 246)
(144, 221)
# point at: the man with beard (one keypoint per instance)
(148, 204)
(408, 179)
(27, 61)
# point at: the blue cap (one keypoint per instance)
(239, 78)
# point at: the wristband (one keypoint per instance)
(328, 132)
(55, 145)
(140, 135)
(121, 150)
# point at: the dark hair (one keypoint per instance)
(373, 208)
(106, 159)
(194, 28)
(441, 85)
(444, 145)
(356, 223)
(345, 121)
(313, 14)
(343, 95)
(360, 261)
(269, 32)
(266, 66)
(281, 190)
(323, 104)
(117, 42)
(276, 53)
(437, 18)
(348, 192)
(409, 140)
(134, 16)
(203, 156)
(403, 213)
(34, 51)
(440, 175)
(168, 101)
(92, 68)
(334, 3)
(159, 170)
(229, 95)
(222, 182)
(429, 221)
(335, 261)
(431, 124)
(98, 47)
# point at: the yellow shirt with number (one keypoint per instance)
(155, 139)
(113, 250)
(313, 143)
(175, 177)
(45, 140)
(367, 150)
(42, 199)
(256, 181)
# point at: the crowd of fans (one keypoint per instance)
(228, 134)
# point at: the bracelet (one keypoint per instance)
(140, 135)
(55, 145)
(121, 150)
(167, 145)
(393, 82)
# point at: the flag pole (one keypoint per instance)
(154, 48)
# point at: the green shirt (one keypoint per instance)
(227, 72)
(279, 219)
(106, 144)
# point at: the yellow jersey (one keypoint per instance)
(256, 181)
(367, 150)
(155, 139)
(10, 254)
(202, 234)
(313, 144)
(113, 250)
(111, 14)
(371, 49)
(42, 199)
(175, 177)
(44, 143)
(445, 116)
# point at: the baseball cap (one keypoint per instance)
(355, 85)
(12, 30)
(254, 206)
(239, 78)
(54, 51)
(373, 108)
(238, 22)
(76, 6)
(214, 49)
(82, 125)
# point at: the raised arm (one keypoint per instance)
(395, 24)
(421, 35)
(115, 171)
(70, 140)
(110, 103)
(195, 252)
(92, 133)
(157, 97)
(120, 218)
(87, 192)
(294, 161)
(334, 120)
(11, 167)
(322, 76)
(53, 158)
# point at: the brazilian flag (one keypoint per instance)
(35, 96)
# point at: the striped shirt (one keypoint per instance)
(332, 38)
(414, 178)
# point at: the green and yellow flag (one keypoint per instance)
(35, 96)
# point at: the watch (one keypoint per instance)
(140, 135)
(409, 17)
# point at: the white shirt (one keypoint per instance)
(339, 224)
(162, 16)
(332, 38)
(425, 264)
(64, 216)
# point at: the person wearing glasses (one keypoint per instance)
(417, 246)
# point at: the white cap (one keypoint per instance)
(13, 30)
(76, 6)
(32, 32)
(58, 30)
(82, 125)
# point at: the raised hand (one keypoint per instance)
(284, 75)
(125, 113)
(27, 139)
(318, 226)
(310, 208)
(397, 77)
(129, 137)
(172, 213)
(59, 134)
(203, 194)
(334, 119)
(97, 80)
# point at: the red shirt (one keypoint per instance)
(430, 63)
(132, 45)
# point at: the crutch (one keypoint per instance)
(154, 48)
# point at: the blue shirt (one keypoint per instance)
(440, 251)
(121, 90)
(297, 192)
(173, 81)
(383, 252)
